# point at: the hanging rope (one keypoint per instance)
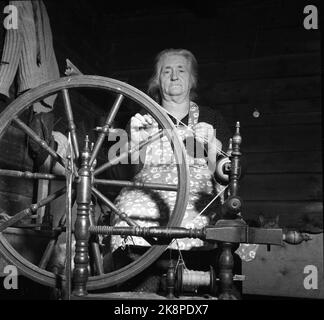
(219, 193)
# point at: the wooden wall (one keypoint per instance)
(252, 55)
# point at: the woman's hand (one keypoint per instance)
(141, 127)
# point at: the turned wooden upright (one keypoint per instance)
(82, 224)
(231, 208)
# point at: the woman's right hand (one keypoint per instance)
(141, 127)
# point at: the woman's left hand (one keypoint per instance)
(204, 133)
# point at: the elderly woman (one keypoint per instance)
(173, 86)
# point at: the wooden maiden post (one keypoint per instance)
(232, 207)
(82, 224)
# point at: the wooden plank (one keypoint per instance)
(14, 161)
(262, 89)
(85, 104)
(13, 153)
(274, 119)
(284, 162)
(293, 214)
(81, 105)
(219, 47)
(64, 51)
(85, 113)
(259, 93)
(253, 42)
(266, 14)
(25, 243)
(281, 138)
(13, 203)
(17, 186)
(286, 108)
(287, 65)
(282, 187)
(204, 23)
(272, 110)
(251, 91)
(231, 26)
(281, 271)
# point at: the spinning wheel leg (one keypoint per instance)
(226, 264)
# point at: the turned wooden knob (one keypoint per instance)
(295, 237)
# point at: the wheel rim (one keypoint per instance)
(26, 100)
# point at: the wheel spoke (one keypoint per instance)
(126, 154)
(48, 253)
(32, 208)
(71, 124)
(121, 215)
(11, 113)
(38, 140)
(51, 245)
(105, 129)
(30, 175)
(139, 185)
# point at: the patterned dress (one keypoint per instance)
(150, 208)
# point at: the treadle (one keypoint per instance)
(136, 296)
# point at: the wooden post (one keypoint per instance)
(82, 223)
(226, 264)
(170, 280)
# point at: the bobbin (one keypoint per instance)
(181, 285)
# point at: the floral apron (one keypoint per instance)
(150, 208)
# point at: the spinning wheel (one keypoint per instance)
(84, 182)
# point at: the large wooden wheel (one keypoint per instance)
(10, 116)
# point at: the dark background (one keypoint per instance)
(252, 54)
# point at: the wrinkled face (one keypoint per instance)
(175, 77)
